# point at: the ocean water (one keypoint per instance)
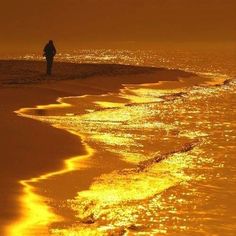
(168, 153)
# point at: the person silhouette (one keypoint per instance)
(49, 52)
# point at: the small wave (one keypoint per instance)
(185, 148)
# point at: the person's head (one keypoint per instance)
(50, 42)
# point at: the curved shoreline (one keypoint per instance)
(18, 92)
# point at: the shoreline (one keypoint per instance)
(35, 90)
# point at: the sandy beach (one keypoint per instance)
(30, 148)
(109, 149)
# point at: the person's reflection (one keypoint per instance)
(40, 112)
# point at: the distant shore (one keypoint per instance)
(25, 152)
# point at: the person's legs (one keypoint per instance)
(49, 65)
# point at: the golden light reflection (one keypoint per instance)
(109, 104)
(109, 192)
(150, 137)
(112, 189)
(36, 215)
(111, 201)
(142, 95)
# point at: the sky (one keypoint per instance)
(71, 23)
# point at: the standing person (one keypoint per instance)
(49, 52)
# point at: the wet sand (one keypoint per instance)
(30, 148)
